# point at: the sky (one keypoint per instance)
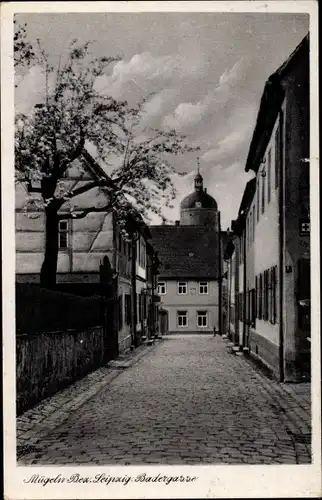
(207, 72)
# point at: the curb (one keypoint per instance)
(35, 424)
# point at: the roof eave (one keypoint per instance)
(271, 101)
(270, 105)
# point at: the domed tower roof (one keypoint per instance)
(199, 198)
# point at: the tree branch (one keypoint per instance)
(65, 163)
(86, 211)
(88, 187)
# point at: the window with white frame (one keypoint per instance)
(203, 287)
(63, 234)
(202, 319)
(182, 319)
(182, 287)
(162, 288)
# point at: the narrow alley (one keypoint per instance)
(188, 400)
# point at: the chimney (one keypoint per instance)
(177, 223)
(205, 190)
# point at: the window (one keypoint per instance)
(266, 294)
(142, 256)
(274, 295)
(120, 311)
(182, 318)
(257, 200)
(241, 306)
(260, 297)
(182, 288)
(253, 307)
(256, 295)
(277, 155)
(129, 250)
(269, 161)
(138, 250)
(138, 307)
(202, 319)
(144, 305)
(241, 253)
(128, 309)
(162, 288)
(203, 287)
(263, 191)
(63, 234)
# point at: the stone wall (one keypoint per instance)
(59, 339)
(47, 362)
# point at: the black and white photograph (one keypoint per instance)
(161, 172)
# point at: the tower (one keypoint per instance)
(199, 208)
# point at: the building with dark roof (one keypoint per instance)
(271, 261)
(91, 250)
(190, 268)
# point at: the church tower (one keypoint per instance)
(199, 208)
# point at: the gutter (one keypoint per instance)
(281, 249)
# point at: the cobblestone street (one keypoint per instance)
(189, 400)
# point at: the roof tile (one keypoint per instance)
(186, 251)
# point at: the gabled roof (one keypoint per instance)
(99, 172)
(271, 101)
(187, 252)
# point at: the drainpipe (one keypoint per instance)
(236, 291)
(281, 249)
(228, 296)
(230, 291)
(220, 279)
(245, 295)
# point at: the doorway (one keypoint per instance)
(164, 322)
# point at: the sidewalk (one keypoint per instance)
(35, 424)
(291, 400)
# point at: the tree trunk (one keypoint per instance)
(49, 266)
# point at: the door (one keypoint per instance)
(164, 322)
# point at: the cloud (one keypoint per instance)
(227, 146)
(146, 72)
(232, 76)
(189, 114)
(185, 115)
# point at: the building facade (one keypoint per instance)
(189, 285)
(88, 247)
(272, 229)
